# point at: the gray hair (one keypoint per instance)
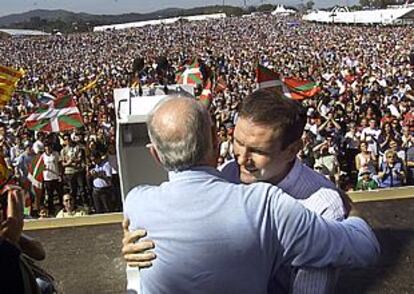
(187, 141)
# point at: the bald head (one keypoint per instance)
(179, 129)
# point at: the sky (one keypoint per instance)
(139, 6)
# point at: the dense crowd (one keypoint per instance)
(360, 126)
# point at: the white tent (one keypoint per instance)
(281, 10)
(19, 32)
(158, 22)
(377, 16)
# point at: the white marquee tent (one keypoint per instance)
(281, 10)
(379, 16)
(158, 22)
(19, 32)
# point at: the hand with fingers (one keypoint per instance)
(11, 228)
(134, 250)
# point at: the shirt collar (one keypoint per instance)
(194, 172)
(292, 176)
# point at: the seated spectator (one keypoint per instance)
(387, 134)
(43, 212)
(391, 172)
(323, 170)
(365, 158)
(409, 161)
(366, 182)
(69, 209)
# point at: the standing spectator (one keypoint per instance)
(328, 162)
(16, 150)
(409, 160)
(365, 159)
(113, 162)
(52, 177)
(25, 159)
(370, 135)
(39, 144)
(102, 184)
(351, 146)
(71, 158)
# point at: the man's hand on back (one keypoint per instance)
(136, 254)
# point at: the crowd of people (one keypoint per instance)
(360, 129)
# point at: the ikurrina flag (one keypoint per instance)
(292, 88)
(191, 75)
(266, 78)
(58, 116)
(206, 95)
(8, 81)
(300, 89)
(34, 182)
(221, 84)
(35, 171)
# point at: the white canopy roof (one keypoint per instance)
(382, 16)
(158, 22)
(281, 10)
(18, 32)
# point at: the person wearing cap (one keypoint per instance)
(365, 181)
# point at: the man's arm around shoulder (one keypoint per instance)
(310, 240)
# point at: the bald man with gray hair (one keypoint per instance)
(181, 141)
(213, 236)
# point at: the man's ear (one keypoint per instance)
(216, 149)
(153, 153)
(294, 148)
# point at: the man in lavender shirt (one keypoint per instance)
(255, 167)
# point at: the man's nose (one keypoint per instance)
(242, 156)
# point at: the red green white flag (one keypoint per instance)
(34, 182)
(206, 95)
(221, 85)
(266, 78)
(191, 75)
(58, 116)
(35, 171)
(300, 89)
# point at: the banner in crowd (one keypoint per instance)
(267, 78)
(221, 85)
(35, 171)
(191, 75)
(8, 81)
(60, 115)
(92, 84)
(292, 87)
(206, 95)
(34, 182)
(300, 89)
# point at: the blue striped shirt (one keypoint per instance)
(317, 194)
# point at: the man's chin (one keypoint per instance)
(248, 178)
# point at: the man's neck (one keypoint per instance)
(281, 176)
